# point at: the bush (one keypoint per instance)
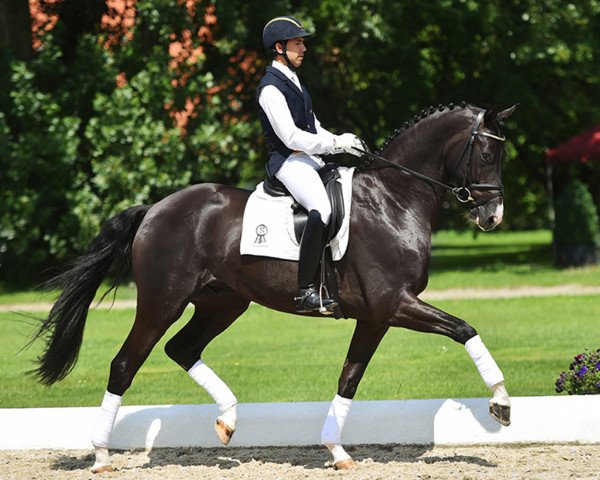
(576, 217)
(583, 376)
(576, 231)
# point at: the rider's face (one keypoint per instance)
(295, 51)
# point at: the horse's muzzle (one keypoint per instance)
(489, 215)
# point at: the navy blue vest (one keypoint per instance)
(300, 106)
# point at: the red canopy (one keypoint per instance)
(583, 147)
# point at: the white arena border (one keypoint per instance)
(566, 419)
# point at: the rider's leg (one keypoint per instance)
(307, 298)
(299, 175)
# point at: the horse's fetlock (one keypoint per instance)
(465, 332)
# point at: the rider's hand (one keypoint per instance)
(347, 142)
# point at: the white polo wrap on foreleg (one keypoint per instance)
(336, 418)
(106, 419)
(484, 362)
(215, 387)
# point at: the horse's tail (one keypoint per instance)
(62, 330)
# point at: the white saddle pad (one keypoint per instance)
(268, 227)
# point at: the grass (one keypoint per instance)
(500, 259)
(459, 260)
(267, 356)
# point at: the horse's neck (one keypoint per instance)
(407, 200)
(421, 148)
(422, 151)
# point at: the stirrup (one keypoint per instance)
(308, 300)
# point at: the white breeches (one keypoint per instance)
(299, 174)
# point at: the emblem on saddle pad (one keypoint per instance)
(261, 233)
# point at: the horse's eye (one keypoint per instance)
(487, 157)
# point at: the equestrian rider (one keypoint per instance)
(295, 139)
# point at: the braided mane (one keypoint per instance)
(419, 116)
(426, 112)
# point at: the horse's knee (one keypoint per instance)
(464, 332)
(181, 355)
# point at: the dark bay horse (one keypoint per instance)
(186, 249)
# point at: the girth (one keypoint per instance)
(329, 175)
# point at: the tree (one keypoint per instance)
(118, 107)
(15, 28)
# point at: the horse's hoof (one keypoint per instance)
(224, 432)
(500, 413)
(347, 464)
(102, 469)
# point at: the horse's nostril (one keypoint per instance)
(491, 221)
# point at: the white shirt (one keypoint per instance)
(272, 101)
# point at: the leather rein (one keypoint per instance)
(462, 193)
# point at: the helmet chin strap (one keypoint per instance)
(285, 56)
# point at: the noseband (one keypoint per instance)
(463, 194)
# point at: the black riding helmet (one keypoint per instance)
(281, 29)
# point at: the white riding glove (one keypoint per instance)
(347, 142)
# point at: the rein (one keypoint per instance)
(463, 194)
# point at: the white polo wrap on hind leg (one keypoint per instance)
(217, 389)
(106, 419)
(484, 362)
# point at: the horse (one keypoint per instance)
(186, 249)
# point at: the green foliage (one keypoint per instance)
(134, 158)
(76, 147)
(583, 376)
(40, 152)
(576, 217)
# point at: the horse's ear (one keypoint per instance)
(490, 115)
(504, 114)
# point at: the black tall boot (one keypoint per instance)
(307, 299)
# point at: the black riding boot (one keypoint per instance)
(307, 299)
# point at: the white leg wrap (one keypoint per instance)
(106, 419)
(216, 388)
(334, 423)
(229, 417)
(484, 362)
(338, 452)
(102, 460)
(500, 395)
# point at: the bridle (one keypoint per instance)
(462, 193)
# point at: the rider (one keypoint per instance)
(295, 139)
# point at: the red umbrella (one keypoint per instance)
(583, 147)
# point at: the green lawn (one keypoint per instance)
(268, 356)
(459, 260)
(500, 259)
